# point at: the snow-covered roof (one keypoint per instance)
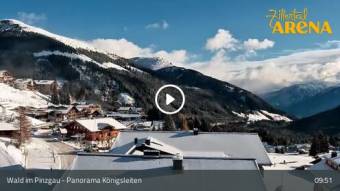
(3, 72)
(65, 111)
(44, 82)
(7, 127)
(123, 115)
(239, 145)
(94, 125)
(26, 80)
(321, 166)
(156, 144)
(63, 130)
(84, 162)
(288, 161)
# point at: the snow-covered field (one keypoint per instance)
(288, 161)
(152, 63)
(11, 98)
(262, 115)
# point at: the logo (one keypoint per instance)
(285, 22)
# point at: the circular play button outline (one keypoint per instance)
(170, 86)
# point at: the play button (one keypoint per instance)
(170, 99)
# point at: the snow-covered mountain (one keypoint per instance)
(306, 99)
(11, 24)
(91, 74)
(151, 63)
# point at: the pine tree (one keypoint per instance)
(313, 149)
(24, 124)
(55, 96)
(320, 144)
(64, 98)
(324, 144)
(333, 141)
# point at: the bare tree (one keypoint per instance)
(183, 122)
(24, 124)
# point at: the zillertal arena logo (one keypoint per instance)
(295, 22)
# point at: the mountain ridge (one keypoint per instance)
(30, 54)
(303, 100)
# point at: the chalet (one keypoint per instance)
(149, 125)
(41, 114)
(98, 132)
(6, 77)
(71, 113)
(24, 84)
(46, 87)
(89, 111)
(8, 129)
(56, 115)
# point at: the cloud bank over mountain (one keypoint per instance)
(230, 61)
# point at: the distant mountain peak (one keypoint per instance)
(153, 63)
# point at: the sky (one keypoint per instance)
(229, 40)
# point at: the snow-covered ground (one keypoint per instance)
(112, 65)
(288, 161)
(262, 115)
(39, 153)
(12, 153)
(67, 41)
(151, 63)
(36, 154)
(276, 117)
(125, 98)
(41, 156)
(11, 98)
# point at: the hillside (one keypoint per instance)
(303, 100)
(95, 76)
(328, 122)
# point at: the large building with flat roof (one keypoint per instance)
(146, 150)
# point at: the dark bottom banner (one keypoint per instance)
(45, 180)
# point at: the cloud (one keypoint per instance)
(127, 49)
(179, 57)
(252, 45)
(222, 40)
(330, 44)
(121, 47)
(31, 18)
(158, 25)
(275, 73)
(321, 64)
